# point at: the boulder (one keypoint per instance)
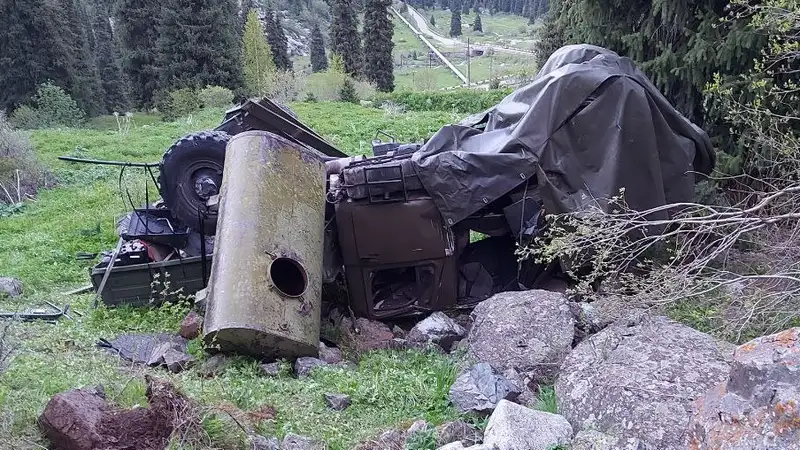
(366, 335)
(215, 365)
(515, 427)
(337, 402)
(304, 365)
(417, 426)
(458, 431)
(73, 420)
(595, 440)
(452, 446)
(258, 442)
(272, 369)
(297, 442)
(758, 405)
(330, 355)
(438, 329)
(388, 440)
(480, 389)
(10, 287)
(81, 419)
(177, 361)
(191, 325)
(529, 331)
(637, 379)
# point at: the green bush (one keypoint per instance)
(327, 86)
(348, 92)
(459, 100)
(50, 107)
(215, 97)
(177, 104)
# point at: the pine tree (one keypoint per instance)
(115, 89)
(348, 92)
(319, 61)
(378, 45)
(137, 35)
(257, 55)
(277, 41)
(455, 18)
(433, 21)
(344, 37)
(198, 45)
(477, 25)
(43, 40)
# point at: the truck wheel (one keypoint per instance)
(191, 172)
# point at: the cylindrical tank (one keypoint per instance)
(264, 292)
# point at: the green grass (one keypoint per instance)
(501, 29)
(38, 245)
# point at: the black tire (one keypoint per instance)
(194, 157)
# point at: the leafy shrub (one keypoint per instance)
(50, 107)
(215, 97)
(282, 86)
(348, 92)
(327, 86)
(21, 173)
(178, 103)
(460, 100)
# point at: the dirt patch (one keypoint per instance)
(81, 419)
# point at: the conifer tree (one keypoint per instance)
(74, 26)
(198, 45)
(378, 45)
(319, 61)
(477, 25)
(344, 36)
(277, 41)
(257, 55)
(137, 35)
(433, 21)
(115, 89)
(455, 18)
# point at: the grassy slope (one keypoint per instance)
(39, 244)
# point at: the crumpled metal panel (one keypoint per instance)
(271, 221)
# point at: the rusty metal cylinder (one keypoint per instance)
(264, 292)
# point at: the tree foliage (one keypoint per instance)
(138, 35)
(344, 37)
(257, 56)
(319, 61)
(477, 26)
(378, 45)
(277, 41)
(455, 18)
(107, 56)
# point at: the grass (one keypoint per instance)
(38, 244)
(503, 29)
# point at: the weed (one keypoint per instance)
(422, 440)
(546, 400)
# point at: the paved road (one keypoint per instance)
(422, 25)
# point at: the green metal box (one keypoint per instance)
(144, 284)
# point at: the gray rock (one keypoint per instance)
(272, 369)
(10, 287)
(452, 446)
(304, 365)
(399, 332)
(337, 402)
(258, 442)
(758, 406)
(177, 361)
(417, 426)
(515, 427)
(595, 440)
(480, 389)
(530, 331)
(637, 379)
(329, 355)
(296, 442)
(215, 365)
(438, 329)
(457, 431)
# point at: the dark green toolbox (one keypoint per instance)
(152, 283)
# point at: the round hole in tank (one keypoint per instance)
(288, 276)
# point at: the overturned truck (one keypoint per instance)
(292, 213)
